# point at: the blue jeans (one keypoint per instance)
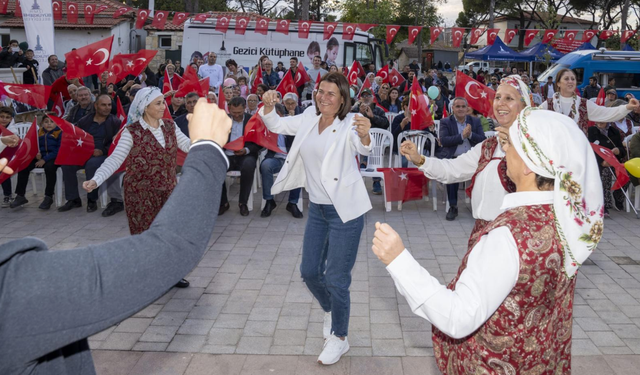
(268, 168)
(329, 253)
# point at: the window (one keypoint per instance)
(164, 41)
(623, 80)
(363, 53)
(579, 75)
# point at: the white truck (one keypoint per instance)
(202, 37)
(477, 65)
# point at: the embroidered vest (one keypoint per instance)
(486, 155)
(530, 333)
(583, 121)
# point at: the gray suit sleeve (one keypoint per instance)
(49, 299)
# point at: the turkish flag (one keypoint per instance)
(587, 35)
(366, 26)
(4, 4)
(491, 36)
(257, 81)
(365, 85)
(89, 10)
(626, 35)
(121, 11)
(25, 153)
(378, 105)
(201, 17)
(58, 106)
(141, 18)
(257, 132)
(415, 30)
(72, 12)
(222, 100)
(76, 146)
(395, 78)
(100, 8)
(475, 35)
(222, 23)
(204, 87)
(621, 173)
(88, 60)
(606, 34)
(123, 65)
(392, 30)
(509, 35)
(480, 98)
(420, 116)
(33, 95)
(160, 19)
(235, 145)
(241, 25)
(59, 86)
(287, 85)
(529, 35)
(570, 35)
(548, 35)
(303, 29)
(179, 18)
(355, 72)
(384, 74)
(456, 36)
(433, 31)
(317, 82)
(166, 87)
(8, 152)
(18, 10)
(282, 26)
(329, 28)
(262, 26)
(191, 83)
(348, 30)
(120, 114)
(404, 184)
(445, 114)
(56, 5)
(301, 75)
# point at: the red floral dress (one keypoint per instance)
(150, 175)
(530, 333)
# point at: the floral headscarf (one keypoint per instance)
(552, 146)
(143, 98)
(516, 82)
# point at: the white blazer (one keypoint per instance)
(340, 172)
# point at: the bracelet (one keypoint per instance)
(423, 159)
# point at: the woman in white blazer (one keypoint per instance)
(322, 158)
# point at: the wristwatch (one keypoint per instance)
(423, 159)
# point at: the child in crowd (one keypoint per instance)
(244, 90)
(49, 138)
(333, 47)
(7, 122)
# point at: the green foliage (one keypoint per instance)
(180, 5)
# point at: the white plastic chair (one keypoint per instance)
(21, 129)
(102, 190)
(380, 140)
(419, 139)
(261, 157)
(390, 116)
(231, 177)
(58, 191)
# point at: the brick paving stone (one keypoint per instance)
(186, 343)
(133, 325)
(195, 327)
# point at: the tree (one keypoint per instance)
(191, 6)
(262, 7)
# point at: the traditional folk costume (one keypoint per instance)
(150, 156)
(509, 310)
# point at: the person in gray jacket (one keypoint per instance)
(51, 301)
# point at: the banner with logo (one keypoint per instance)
(37, 16)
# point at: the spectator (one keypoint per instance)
(493, 83)
(11, 55)
(280, 67)
(171, 73)
(535, 93)
(30, 76)
(383, 93)
(634, 116)
(611, 85)
(243, 160)
(414, 66)
(324, 65)
(49, 137)
(592, 89)
(103, 126)
(147, 78)
(406, 85)
(548, 90)
(261, 89)
(177, 107)
(334, 69)
(405, 71)
(393, 104)
(179, 68)
(458, 134)
(313, 75)
(53, 72)
(252, 104)
(7, 122)
(242, 86)
(212, 70)
(269, 76)
(273, 163)
(212, 97)
(401, 122)
(293, 70)
(190, 103)
(234, 71)
(377, 81)
(441, 102)
(623, 124)
(84, 107)
(72, 90)
(611, 96)
(605, 135)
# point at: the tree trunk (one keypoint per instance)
(296, 10)
(623, 19)
(304, 10)
(419, 21)
(190, 6)
(492, 7)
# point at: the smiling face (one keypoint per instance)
(460, 108)
(155, 110)
(507, 105)
(328, 99)
(567, 83)
(84, 97)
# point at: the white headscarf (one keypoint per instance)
(143, 98)
(552, 146)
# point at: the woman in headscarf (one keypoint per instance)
(148, 145)
(606, 135)
(509, 310)
(484, 164)
(566, 101)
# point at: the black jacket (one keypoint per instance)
(9, 58)
(254, 149)
(379, 119)
(183, 123)
(27, 77)
(72, 113)
(112, 125)
(612, 140)
(451, 138)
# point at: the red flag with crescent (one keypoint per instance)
(58, 106)
(355, 72)
(479, 96)
(241, 25)
(570, 35)
(222, 23)
(392, 31)
(257, 81)
(395, 78)
(587, 35)
(26, 152)
(621, 172)
(33, 95)
(366, 26)
(529, 35)
(434, 32)
(282, 26)
(509, 35)
(626, 35)
(89, 11)
(56, 6)
(301, 75)
(88, 60)
(72, 12)
(121, 11)
(491, 36)
(475, 35)
(141, 18)
(457, 33)
(419, 108)
(384, 74)
(303, 29)
(549, 34)
(76, 146)
(287, 85)
(348, 30)
(413, 34)
(262, 26)
(329, 28)
(606, 34)
(179, 18)
(160, 19)
(201, 17)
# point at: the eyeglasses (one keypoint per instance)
(252, 100)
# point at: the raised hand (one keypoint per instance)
(269, 99)
(409, 150)
(210, 123)
(387, 244)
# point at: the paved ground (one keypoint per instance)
(248, 312)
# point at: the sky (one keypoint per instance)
(449, 11)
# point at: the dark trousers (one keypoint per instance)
(71, 180)
(452, 194)
(50, 169)
(6, 187)
(246, 164)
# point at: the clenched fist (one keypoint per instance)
(210, 123)
(387, 244)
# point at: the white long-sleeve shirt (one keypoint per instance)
(596, 112)
(214, 72)
(120, 153)
(491, 273)
(487, 193)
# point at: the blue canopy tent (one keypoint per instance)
(539, 51)
(496, 52)
(585, 46)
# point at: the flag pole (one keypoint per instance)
(626, 196)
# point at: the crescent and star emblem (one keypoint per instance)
(330, 27)
(350, 29)
(415, 32)
(242, 22)
(468, 86)
(106, 56)
(159, 16)
(8, 89)
(458, 32)
(88, 8)
(72, 7)
(263, 22)
(143, 14)
(224, 20)
(384, 75)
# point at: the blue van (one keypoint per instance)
(624, 66)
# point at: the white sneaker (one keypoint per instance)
(334, 348)
(326, 327)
